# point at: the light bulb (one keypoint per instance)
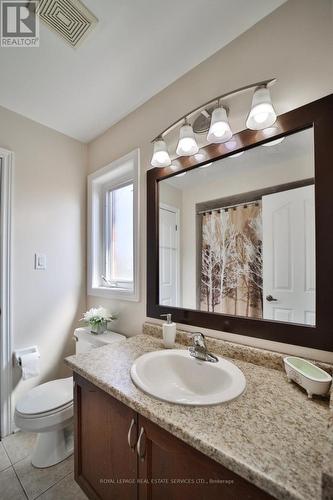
(262, 113)
(161, 157)
(187, 145)
(219, 130)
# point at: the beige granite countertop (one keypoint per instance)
(272, 435)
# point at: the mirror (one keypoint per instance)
(237, 236)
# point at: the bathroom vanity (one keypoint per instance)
(115, 443)
(268, 443)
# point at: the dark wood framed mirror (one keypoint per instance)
(221, 301)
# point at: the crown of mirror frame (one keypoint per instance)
(213, 117)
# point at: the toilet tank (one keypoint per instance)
(85, 340)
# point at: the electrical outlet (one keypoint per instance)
(40, 261)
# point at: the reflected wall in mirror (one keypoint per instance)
(237, 236)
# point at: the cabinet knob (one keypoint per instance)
(130, 440)
(141, 450)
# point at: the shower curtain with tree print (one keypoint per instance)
(231, 269)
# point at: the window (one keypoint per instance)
(118, 230)
(113, 229)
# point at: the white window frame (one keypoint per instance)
(120, 172)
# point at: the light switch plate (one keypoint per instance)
(40, 261)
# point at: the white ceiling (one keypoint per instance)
(138, 48)
(295, 150)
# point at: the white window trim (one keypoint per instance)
(6, 389)
(96, 187)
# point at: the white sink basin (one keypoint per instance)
(174, 376)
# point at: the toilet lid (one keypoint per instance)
(47, 397)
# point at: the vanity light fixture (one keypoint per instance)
(262, 113)
(181, 174)
(219, 130)
(161, 157)
(187, 145)
(214, 120)
(207, 165)
(275, 142)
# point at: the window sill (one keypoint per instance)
(114, 293)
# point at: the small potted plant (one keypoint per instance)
(97, 318)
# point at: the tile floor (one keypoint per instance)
(19, 480)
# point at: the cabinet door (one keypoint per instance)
(171, 470)
(105, 463)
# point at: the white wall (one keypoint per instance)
(170, 195)
(49, 188)
(294, 44)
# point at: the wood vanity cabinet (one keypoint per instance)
(120, 455)
(102, 455)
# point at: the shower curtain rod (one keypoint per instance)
(228, 207)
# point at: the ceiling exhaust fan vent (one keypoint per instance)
(70, 19)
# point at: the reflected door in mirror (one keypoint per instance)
(169, 255)
(289, 256)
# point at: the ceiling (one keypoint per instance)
(137, 49)
(295, 150)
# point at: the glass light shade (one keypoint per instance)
(262, 113)
(187, 145)
(161, 156)
(219, 130)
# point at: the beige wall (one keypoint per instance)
(294, 44)
(49, 217)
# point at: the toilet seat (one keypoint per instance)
(46, 399)
(45, 413)
(48, 410)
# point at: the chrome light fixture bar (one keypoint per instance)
(261, 115)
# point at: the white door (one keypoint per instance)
(289, 256)
(168, 242)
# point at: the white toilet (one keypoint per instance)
(48, 408)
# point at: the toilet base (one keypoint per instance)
(53, 447)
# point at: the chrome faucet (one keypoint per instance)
(199, 349)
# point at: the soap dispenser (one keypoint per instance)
(169, 332)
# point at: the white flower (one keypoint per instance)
(98, 314)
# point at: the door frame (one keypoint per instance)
(6, 175)
(176, 210)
